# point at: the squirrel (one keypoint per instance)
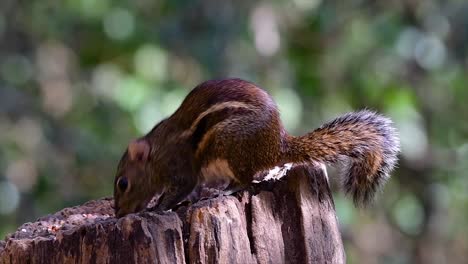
(229, 130)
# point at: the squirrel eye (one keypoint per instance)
(122, 183)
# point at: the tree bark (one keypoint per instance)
(291, 220)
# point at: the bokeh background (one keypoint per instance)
(80, 78)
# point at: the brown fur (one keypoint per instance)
(232, 128)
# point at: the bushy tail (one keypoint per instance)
(369, 141)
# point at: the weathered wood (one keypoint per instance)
(289, 221)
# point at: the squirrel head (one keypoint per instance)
(132, 191)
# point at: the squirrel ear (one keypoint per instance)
(139, 150)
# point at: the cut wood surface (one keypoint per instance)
(288, 221)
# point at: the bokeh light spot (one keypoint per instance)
(148, 115)
(172, 101)
(409, 214)
(105, 80)
(264, 26)
(9, 197)
(151, 62)
(23, 173)
(430, 52)
(90, 8)
(407, 42)
(290, 107)
(307, 4)
(119, 24)
(131, 93)
(28, 134)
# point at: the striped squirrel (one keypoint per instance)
(229, 130)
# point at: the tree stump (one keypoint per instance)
(291, 220)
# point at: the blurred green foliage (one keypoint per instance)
(80, 78)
